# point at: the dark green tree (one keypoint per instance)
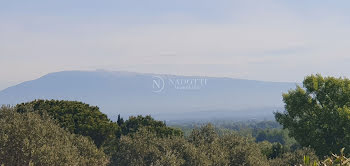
(317, 115)
(76, 117)
(134, 123)
(33, 139)
(120, 120)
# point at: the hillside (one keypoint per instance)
(166, 97)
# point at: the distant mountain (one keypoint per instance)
(167, 97)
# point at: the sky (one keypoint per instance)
(269, 40)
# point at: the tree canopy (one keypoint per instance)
(134, 123)
(318, 114)
(33, 139)
(203, 147)
(76, 117)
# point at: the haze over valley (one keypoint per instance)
(166, 97)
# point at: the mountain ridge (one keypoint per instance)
(130, 93)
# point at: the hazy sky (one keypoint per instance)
(281, 40)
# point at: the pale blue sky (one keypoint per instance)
(281, 40)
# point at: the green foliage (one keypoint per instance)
(266, 148)
(205, 139)
(243, 127)
(204, 147)
(274, 135)
(227, 149)
(308, 162)
(204, 135)
(294, 158)
(31, 134)
(76, 117)
(336, 160)
(33, 139)
(145, 148)
(120, 120)
(251, 124)
(242, 151)
(273, 150)
(133, 124)
(318, 115)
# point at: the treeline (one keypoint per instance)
(270, 131)
(55, 132)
